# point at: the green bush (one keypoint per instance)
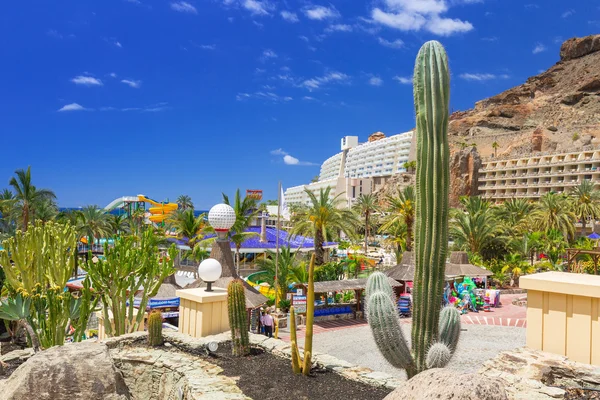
(285, 304)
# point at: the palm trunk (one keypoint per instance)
(319, 251)
(25, 216)
(409, 224)
(583, 226)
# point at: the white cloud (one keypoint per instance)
(118, 44)
(184, 7)
(331, 77)
(132, 83)
(260, 70)
(288, 159)
(72, 107)
(289, 16)
(302, 37)
(489, 39)
(482, 77)
(338, 28)
(113, 75)
(539, 48)
(269, 96)
(320, 13)
(309, 98)
(405, 80)
(267, 55)
(86, 81)
(568, 13)
(375, 81)
(54, 33)
(285, 68)
(531, 6)
(417, 15)
(396, 44)
(208, 46)
(257, 7)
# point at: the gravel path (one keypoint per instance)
(477, 344)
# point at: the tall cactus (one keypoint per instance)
(238, 318)
(298, 364)
(431, 347)
(155, 321)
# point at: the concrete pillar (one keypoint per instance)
(203, 313)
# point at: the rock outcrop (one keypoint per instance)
(72, 371)
(464, 174)
(441, 384)
(579, 47)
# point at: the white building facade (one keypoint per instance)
(358, 168)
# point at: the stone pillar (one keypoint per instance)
(263, 228)
(203, 313)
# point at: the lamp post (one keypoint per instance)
(209, 271)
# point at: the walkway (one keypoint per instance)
(507, 315)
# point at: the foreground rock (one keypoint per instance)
(72, 371)
(443, 384)
(536, 375)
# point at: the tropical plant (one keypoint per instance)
(93, 223)
(322, 218)
(27, 196)
(434, 334)
(185, 202)
(284, 305)
(300, 365)
(118, 224)
(515, 266)
(366, 205)
(285, 272)
(586, 202)
(514, 214)
(187, 225)
(238, 318)
(330, 271)
(395, 238)
(45, 210)
(401, 210)
(495, 146)
(554, 246)
(474, 227)
(410, 166)
(37, 264)
(554, 211)
(131, 264)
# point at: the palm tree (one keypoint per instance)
(185, 202)
(322, 218)
(45, 210)
(285, 272)
(27, 196)
(554, 211)
(513, 213)
(366, 205)
(401, 209)
(7, 214)
(586, 202)
(396, 238)
(246, 210)
(93, 224)
(516, 266)
(187, 225)
(475, 227)
(495, 146)
(118, 224)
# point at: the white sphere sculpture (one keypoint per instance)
(221, 217)
(209, 271)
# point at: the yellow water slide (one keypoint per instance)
(159, 211)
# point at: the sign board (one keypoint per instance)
(299, 292)
(254, 194)
(299, 303)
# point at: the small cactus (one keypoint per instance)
(450, 327)
(379, 281)
(438, 356)
(238, 318)
(155, 321)
(299, 364)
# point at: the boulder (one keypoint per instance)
(440, 384)
(579, 47)
(73, 371)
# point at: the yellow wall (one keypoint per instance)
(203, 313)
(563, 314)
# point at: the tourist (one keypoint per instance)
(268, 324)
(261, 323)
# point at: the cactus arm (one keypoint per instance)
(378, 281)
(450, 327)
(387, 332)
(431, 97)
(438, 356)
(310, 312)
(294, 341)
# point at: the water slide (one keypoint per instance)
(159, 211)
(120, 202)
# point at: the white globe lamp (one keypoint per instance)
(209, 271)
(221, 217)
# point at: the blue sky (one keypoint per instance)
(119, 97)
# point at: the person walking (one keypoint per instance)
(268, 324)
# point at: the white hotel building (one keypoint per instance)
(358, 168)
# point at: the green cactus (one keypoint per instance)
(155, 321)
(450, 327)
(431, 96)
(379, 281)
(438, 356)
(131, 265)
(238, 318)
(299, 364)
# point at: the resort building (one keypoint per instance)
(359, 168)
(537, 174)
